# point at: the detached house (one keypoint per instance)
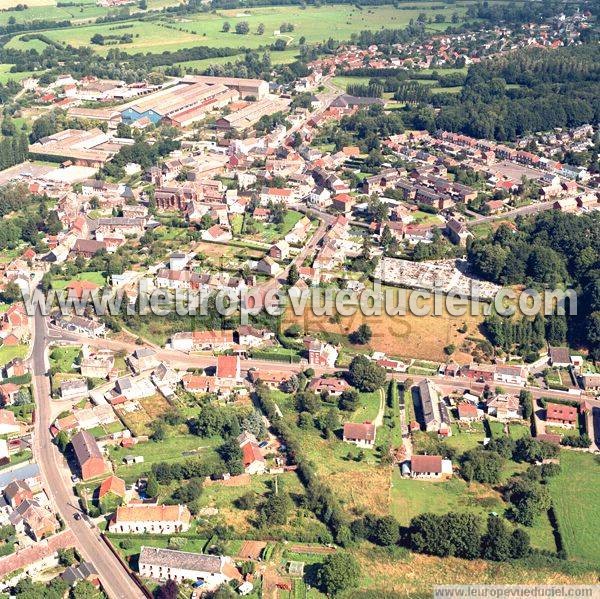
(429, 467)
(361, 434)
(253, 459)
(88, 455)
(561, 414)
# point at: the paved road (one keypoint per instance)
(183, 361)
(115, 579)
(522, 211)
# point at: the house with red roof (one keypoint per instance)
(561, 414)
(467, 412)
(81, 289)
(253, 459)
(361, 434)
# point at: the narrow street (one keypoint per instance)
(115, 579)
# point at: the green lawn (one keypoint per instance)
(172, 449)
(368, 408)
(92, 276)
(64, 357)
(575, 494)
(9, 352)
(466, 437)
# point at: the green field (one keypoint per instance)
(575, 492)
(9, 352)
(92, 276)
(172, 449)
(63, 358)
(315, 24)
(413, 497)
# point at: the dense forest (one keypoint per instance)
(509, 96)
(551, 250)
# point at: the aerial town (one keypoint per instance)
(189, 191)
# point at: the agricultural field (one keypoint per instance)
(575, 493)
(315, 24)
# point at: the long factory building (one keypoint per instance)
(191, 99)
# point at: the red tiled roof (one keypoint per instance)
(556, 411)
(426, 463)
(364, 431)
(112, 484)
(251, 453)
(467, 410)
(227, 366)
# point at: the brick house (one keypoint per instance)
(88, 455)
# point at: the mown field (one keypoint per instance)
(575, 492)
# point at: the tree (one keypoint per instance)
(362, 335)
(348, 400)
(481, 466)
(85, 590)
(293, 275)
(276, 509)
(260, 29)
(242, 28)
(496, 542)
(451, 534)
(169, 590)
(529, 498)
(339, 572)
(386, 531)
(365, 375)
(11, 293)
(226, 27)
(531, 450)
(152, 487)
(520, 545)
(306, 401)
(159, 431)
(231, 454)
(62, 440)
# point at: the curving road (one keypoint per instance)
(115, 579)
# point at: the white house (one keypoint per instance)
(168, 564)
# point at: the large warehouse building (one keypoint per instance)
(255, 88)
(248, 116)
(179, 105)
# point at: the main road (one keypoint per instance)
(115, 579)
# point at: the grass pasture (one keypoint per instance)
(575, 493)
(315, 24)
